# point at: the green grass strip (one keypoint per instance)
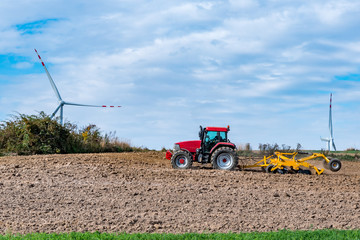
(283, 234)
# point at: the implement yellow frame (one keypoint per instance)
(288, 161)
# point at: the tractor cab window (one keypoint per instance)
(223, 137)
(210, 140)
(211, 136)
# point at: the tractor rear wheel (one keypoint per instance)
(181, 160)
(224, 158)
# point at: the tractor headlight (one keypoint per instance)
(176, 147)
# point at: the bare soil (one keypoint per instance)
(140, 192)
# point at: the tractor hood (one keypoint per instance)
(191, 146)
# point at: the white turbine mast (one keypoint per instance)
(62, 103)
(330, 140)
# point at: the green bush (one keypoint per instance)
(39, 134)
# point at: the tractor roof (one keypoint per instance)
(217, 129)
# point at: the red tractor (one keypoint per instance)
(213, 147)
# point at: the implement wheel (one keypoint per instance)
(224, 158)
(181, 160)
(335, 165)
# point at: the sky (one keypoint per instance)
(266, 68)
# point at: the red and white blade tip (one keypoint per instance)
(40, 58)
(110, 106)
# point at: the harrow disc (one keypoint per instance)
(268, 169)
(304, 171)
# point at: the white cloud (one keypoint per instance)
(245, 4)
(333, 12)
(23, 65)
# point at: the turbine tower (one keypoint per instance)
(330, 140)
(61, 102)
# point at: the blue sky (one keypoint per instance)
(266, 68)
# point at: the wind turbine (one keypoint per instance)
(330, 140)
(62, 103)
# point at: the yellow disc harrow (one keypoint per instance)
(288, 162)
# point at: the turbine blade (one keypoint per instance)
(330, 124)
(81, 105)
(333, 144)
(110, 106)
(50, 78)
(57, 109)
(87, 105)
(330, 117)
(325, 139)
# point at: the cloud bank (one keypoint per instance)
(265, 68)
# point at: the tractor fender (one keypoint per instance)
(221, 144)
(190, 153)
(169, 154)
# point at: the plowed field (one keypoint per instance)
(140, 192)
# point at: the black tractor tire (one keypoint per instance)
(181, 160)
(224, 158)
(335, 165)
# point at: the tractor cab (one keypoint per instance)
(213, 147)
(210, 136)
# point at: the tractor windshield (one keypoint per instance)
(211, 138)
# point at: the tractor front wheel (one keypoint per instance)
(181, 160)
(224, 158)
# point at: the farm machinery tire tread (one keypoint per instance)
(224, 158)
(334, 165)
(181, 160)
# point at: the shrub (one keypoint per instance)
(270, 149)
(39, 134)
